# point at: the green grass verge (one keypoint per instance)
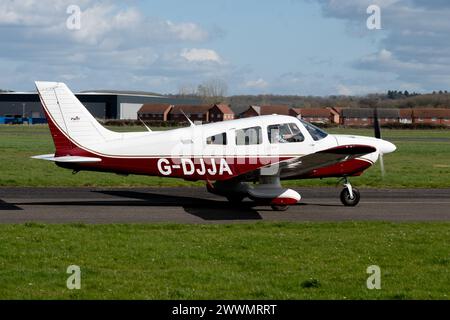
(242, 261)
(416, 163)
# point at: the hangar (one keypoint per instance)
(102, 104)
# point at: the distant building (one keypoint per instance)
(316, 115)
(437, 116)
(101, 104)
(220, 112)
(336, 115)
(295, 112)
(254, 111)
(405, 116)
(356, 116)
(364, 116)
(198, 113)
(155, 112)
(388, 115)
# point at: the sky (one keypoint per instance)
(299, 47)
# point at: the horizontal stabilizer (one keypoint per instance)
(71, 159)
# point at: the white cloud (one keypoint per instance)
(33, 12)
(187, 31)
(386, 61)
(385, 55)
(256, 84)
(105, 24)
(350, 90)
(413, 44)
(344, 90)
(117, 46)
(200, 55)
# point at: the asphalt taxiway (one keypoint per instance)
(196, 205)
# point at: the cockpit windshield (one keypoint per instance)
(315, 132)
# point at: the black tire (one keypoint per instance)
(347, 201)
(279, 207)
(235, 199)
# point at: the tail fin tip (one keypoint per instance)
(70, 116)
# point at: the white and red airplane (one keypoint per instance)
(228, 155)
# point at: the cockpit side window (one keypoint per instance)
(249, 136)
(284, 133)
(220, 139)
(315, 132)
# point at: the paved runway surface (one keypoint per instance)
(195, 205)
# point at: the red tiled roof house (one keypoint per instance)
(254, 111)
(220, 112)
(156, 112)
(194, 113)
(316, 115)
(437, 116)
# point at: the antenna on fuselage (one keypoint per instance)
(190, 121)
(148, 129)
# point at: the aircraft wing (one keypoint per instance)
(324, 158)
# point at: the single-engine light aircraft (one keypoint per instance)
(236, 158)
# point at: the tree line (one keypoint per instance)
(210, 93)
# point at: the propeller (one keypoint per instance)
(377, 132)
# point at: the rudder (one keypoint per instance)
(70, 122)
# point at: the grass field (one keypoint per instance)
(243, 261)
(421, 160)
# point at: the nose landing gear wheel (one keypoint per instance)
(347, 200)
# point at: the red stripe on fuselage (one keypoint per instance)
(352, 167)
(186, 167)
(63, 145)
(209, 168)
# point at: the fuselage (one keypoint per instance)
(222, 150)
(263, 149)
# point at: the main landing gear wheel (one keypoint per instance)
(279, 207)
(347, 199)
(235, 199)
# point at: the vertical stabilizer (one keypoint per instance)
(70, 122)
